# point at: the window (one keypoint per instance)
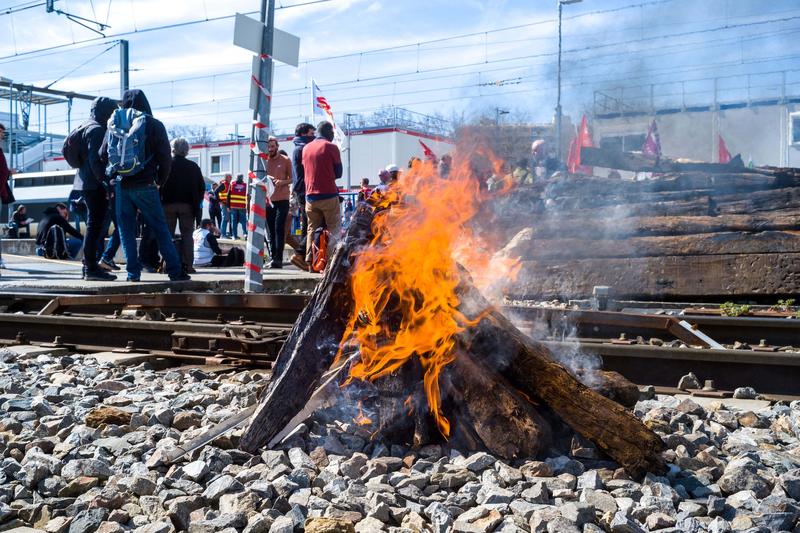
(625, 143)
(796, 128)
(221, 163)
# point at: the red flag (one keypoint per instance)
(724, 154)
(652, 144)
(582, 139)
(427, 151)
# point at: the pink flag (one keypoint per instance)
(652, 144)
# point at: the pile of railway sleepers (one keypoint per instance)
(688, 230)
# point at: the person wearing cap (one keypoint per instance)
(323, 166)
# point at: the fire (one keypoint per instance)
(361, 419)
(404, 283)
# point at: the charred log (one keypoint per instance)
(313, 342)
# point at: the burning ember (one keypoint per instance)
(404, 283)
(361, 419)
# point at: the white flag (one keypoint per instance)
(322, 111)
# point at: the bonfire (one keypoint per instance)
(401, 308)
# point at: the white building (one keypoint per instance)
(758, 116)
(372, 150)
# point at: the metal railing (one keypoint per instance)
(745, 89)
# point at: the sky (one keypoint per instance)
(454, 59)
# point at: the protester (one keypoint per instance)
(110, 249)
(214, 208)
(414, 161)
(6, 195)
(89, 197)
(444, 165)
(364, 191)
(288, 235)
(387, 176)
(19, 222)
(349, 209)
(51, 239)
(323, 166)
(77, 207)
(182, 196)
(222, 192)
(303, 134)
(139, 191)
(237, 200)
(279, 170)
(207, 251)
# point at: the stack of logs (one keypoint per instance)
(696, 230)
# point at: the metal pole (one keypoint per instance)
(349, 154)
(124, 67)
(558, 100)
(256, 228)
(10, 124)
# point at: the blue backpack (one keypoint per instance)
(126, 142)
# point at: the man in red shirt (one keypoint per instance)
(323, 166)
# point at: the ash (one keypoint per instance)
(83, 446)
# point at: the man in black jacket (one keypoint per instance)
(89, 180)
(139, 191)
(182, 196)
(51, 234)
(303, 134)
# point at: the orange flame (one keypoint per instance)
(404, 283)
(361, 419)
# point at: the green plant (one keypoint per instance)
(732, 309)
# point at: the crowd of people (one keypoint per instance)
(148, 191)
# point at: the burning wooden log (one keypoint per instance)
(530, 368)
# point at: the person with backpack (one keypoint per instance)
(323, 166)
(139, 158)
(182, 197)
(303, 134)
(222, 191)
(89, 197)
(51, 238)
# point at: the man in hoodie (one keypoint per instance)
(303, 134)
(140, 191)
(323, 166)
(90, 182)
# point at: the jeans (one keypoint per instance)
(183, 215)
(301, 201)
(97, 204)
(112, 246)
(323, 213)
(148, 202)
(276, 230)
(225, 230)
(238, 218)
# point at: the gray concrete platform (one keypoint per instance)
(31, 273)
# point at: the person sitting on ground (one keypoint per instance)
(51, 239)
(19, 223)
(207, 251)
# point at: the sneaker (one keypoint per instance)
(181, 277)
(108, 264)
(98, 274)
(299, 262)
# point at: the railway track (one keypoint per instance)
(249, 330)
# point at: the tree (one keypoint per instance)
(194, 133)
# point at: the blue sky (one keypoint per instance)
(506, 57)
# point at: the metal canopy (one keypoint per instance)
(38, 95)
(33, 98)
